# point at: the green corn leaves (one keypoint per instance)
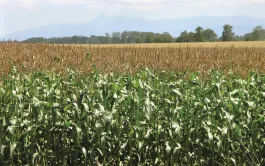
(141, 119)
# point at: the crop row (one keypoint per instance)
(141, 119)
(58, 58)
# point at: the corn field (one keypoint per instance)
(65, 105)
(238, 44)
(44, 57)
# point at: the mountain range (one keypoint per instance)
(101, 25)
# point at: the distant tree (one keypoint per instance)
(75, 39)
(198, 36)
(124, 37)
(150, 38)
(109, 39)
(228, 34)
(209, 35)
(256, 33)
(247, 37)
(139, 40)
(186, 37)
(116, 37)
(82, 39)
(107, 35)
(239, 38)
(158, 38)
(166, 38)
(35, 40)
(135, 37)
(94, 40)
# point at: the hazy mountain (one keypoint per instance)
(102, 25)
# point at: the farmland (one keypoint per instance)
(131, 105)
(121, 59)
(241, 44)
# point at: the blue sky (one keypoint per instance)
(18, 15)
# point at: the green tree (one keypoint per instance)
(139, 40)
(228, 34)
(116, 37)
(257, 33)
(150, 37)
(209, 35)
(198, 36)
(166, 37)
(158, 38)
(124, 37)
(239, 38)
(75, 39)
(186, 36)
(95, 40)
(247, 37)
(109, 38)
(135, 37)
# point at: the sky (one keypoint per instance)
(17, 15)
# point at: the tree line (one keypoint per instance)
(115, 38)
(199, 35)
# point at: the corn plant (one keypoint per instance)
(121, 119)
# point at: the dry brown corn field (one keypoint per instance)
(191, 44)
(44, 57)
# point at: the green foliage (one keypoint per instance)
(200, 35)
(209, 35)
(258, 34)
(88, 56)
(116, 37)
(228, 34)
(186, 37)
(142, 119)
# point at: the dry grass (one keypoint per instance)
(193, 44)
(39, 57)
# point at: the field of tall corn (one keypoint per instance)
(44, 57)
(65, 105)
(239, 44)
